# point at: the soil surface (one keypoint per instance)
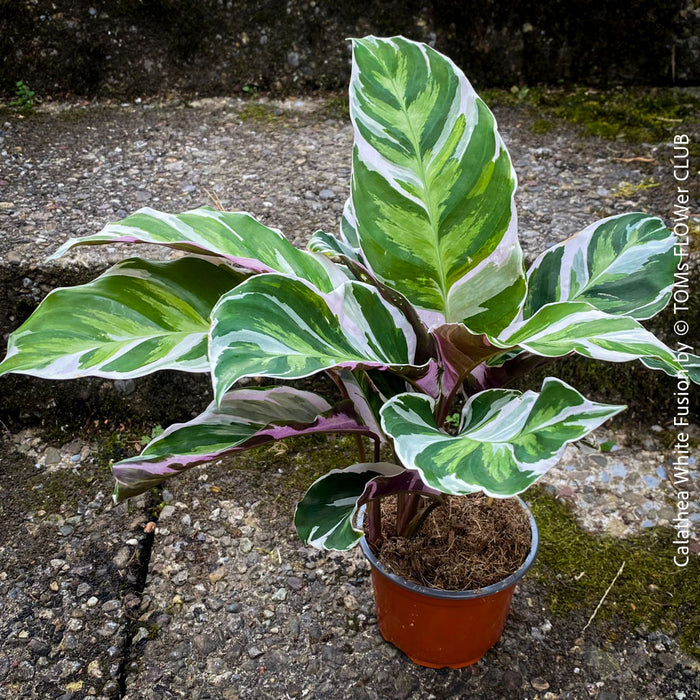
(204, 591)
(463, 544)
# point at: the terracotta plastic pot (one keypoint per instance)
(438, 628)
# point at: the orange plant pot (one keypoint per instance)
(438, 628)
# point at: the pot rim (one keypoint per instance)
(457, 595)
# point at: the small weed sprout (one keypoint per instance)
(25, 98)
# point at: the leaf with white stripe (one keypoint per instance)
(327, 244)
(357, 269)
(277, 326)
(573, 326)
(363, 395)
(348, 226)
(432, 187)
(235, 236)
(324, 517)
(136, 318)
(245, 419)
(506, 440)
(689, 362)
(622, 265)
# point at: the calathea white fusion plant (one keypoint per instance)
(423, 297)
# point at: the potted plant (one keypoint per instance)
(420, 304)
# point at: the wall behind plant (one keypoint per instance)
(124, 48)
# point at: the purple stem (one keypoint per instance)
(485, 377)
(374, 524)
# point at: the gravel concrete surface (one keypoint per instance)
(205, 591)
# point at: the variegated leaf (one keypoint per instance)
(246, 418)
(363, 396)
(278, 326)
(235, 236)
(506, 440)
(572, 326)
(432, 187)
(348, 226)
(622, 265)
(358, 270)
(690, 365)
(327, 244)
(324, 517)
(136, 318)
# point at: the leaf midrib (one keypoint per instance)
(415, 141)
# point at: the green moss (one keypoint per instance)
(49, 493)
(630, 114)
(542, 126)
(260, 113)
(308, 458)
(336, 108)
(124, 441)
(575, 568)
(626, 190)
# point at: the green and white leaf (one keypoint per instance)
(364, 396)
(572, 326)
(690, 365)
(432, 187)
(622, 265)
(246, 418)
(278, 326)
(235, 236)
(327, 244)
(506, 440)
(348, 226)
(136, 318)
(324, 517)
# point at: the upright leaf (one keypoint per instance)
(136, 318)
(622, 265)
(325, 517)
(278, 326)
(432, 187)
(246, 418)
(506, 440)
(235, 236)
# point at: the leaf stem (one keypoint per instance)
(374, 524)
(361, 448)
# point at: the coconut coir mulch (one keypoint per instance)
(464, 544)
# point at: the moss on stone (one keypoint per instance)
(625, 190)
(311, 457)
(630, 114)
(50, 492)
(542, 126)
(259, 113)
(337, 107)
(575, 568)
